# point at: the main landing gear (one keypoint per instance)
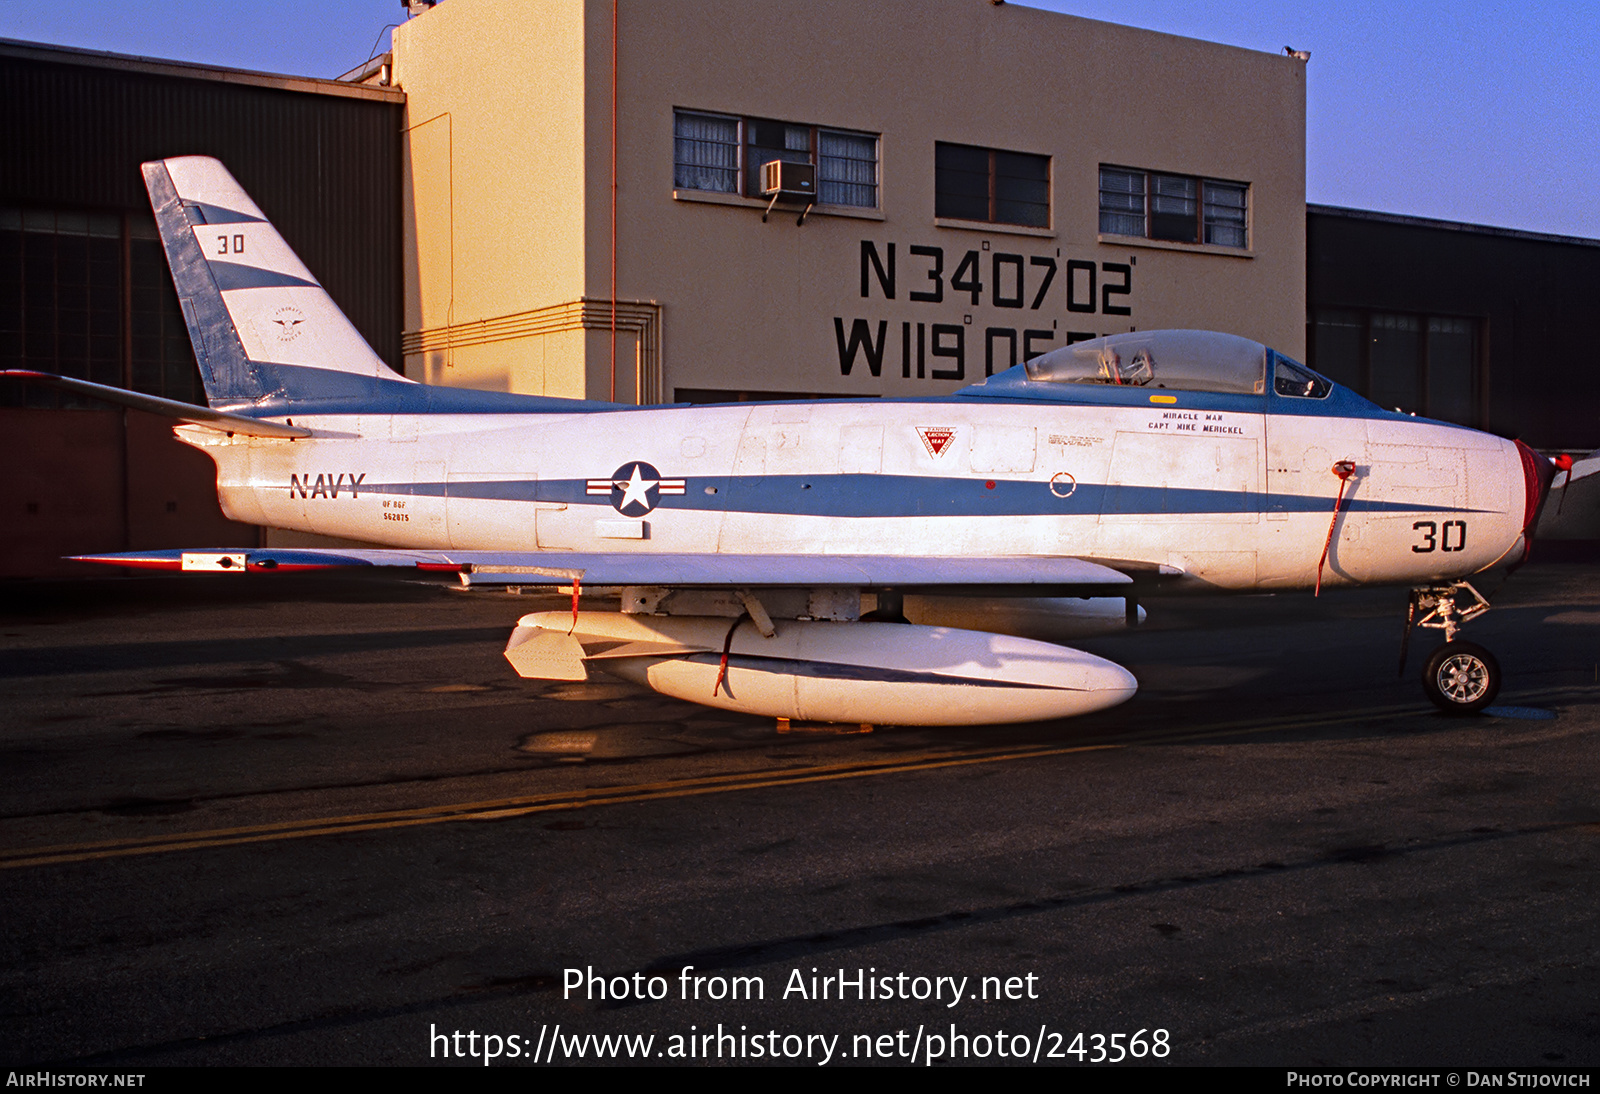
(1460, 677)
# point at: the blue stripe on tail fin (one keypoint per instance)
(229, 376)
(269, 339)
(267, 336)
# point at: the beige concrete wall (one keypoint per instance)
(750, 306)
(494, 173)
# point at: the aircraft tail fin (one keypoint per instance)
(265, 333)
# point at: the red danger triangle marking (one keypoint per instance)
(935, 438)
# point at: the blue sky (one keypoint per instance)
(1471, 110)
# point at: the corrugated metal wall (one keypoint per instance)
(73, 131)
(325, 169)
(1532, 298)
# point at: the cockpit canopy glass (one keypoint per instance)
(1181, 360)
(1296, 381)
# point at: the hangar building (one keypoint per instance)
(1489, 327)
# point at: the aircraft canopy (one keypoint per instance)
(1182, 360)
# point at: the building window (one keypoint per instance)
(767, 141)
(726, 155)
(705, 153)
(847, 169)
(1176, 208)
(1172, 209)
(1224, 213)
(990, 185)
(1121, 202)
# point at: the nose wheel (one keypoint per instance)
(1460, 677)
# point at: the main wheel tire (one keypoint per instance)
(1461, 678)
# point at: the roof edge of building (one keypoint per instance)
(1447, 225)
(94, 58)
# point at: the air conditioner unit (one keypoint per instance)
(779, 178)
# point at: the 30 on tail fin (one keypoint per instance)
(265, 333)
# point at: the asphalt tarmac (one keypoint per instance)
(290, 820)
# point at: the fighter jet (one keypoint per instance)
(744, 539)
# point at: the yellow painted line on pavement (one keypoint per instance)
(515, 807)
(500, 809)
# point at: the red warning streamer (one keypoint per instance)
(727, 644)
(1345, 469)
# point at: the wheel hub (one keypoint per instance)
(1463, 678)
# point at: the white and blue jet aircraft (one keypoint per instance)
(743, 536)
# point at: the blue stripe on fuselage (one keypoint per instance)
(913, 496)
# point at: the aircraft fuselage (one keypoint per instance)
(1234, 491)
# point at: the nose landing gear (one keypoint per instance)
(1460, 677)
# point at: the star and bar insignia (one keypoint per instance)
(635, 488)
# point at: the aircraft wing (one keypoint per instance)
(1032, 575)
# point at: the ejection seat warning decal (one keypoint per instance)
(935, 438)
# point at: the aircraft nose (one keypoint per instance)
(1537, 473)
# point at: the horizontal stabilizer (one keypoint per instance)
(1572, 511)
(220, 420)
(1581, 469)
(1029, 574)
